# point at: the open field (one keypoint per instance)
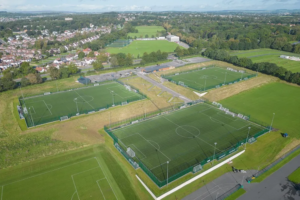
(146, 30)
(270, 55)
(47, 108)
(279, 98)
(138, 47)
(182, 140)
(207, 78)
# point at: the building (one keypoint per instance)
(173, 38)
(68, 19)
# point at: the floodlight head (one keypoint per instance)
(249, 127)
(216, 143)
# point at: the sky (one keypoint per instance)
(145, 5)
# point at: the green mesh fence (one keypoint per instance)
(189, 166)
(35, 122)
(169, 78)
(119, 43)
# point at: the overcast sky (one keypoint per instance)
(147, 5)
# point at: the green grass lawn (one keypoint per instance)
(184, 140)
(81, 174)
(146, 30)
(295, 176)
(140, 47)
(47, 108)
(270, 55)
(207, 78)
(279, 98)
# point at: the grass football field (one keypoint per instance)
(47, 108)
(184, 138)
(270, 55)
(204, 79)
(139, 47)
(146, 30)
(279, 98)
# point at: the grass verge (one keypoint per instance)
(236, 194)
(295, 176)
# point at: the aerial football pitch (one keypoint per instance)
(170, 144)
(208, 77)
(81, 180)
(63, 105)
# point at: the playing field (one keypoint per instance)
(207, 78)
(270, 55)
(146, 30)
(279, 98)
(47, 108)
(80, 180)
(139, 47)
(184, 138)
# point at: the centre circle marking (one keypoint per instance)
(83, 99)
(187, 131)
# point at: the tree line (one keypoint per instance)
(263, 67)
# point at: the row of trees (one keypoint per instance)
(264, 67)
(63, 71)
(153, 57)
(186, 52)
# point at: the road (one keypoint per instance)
(164, 88)
(276, 186)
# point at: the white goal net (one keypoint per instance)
(197, 168)
(47, 93)
(64, 118)
(130, 152)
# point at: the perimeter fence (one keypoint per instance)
(30, 122)
(189, 167)
(169, 78)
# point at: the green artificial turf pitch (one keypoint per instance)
(207, 78)
(81, 180)
(47, 108)
(184, 138)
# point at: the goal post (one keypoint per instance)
(130, 152)
(64, 118)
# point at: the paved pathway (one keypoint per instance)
(164, 88)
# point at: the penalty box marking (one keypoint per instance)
(42, 174)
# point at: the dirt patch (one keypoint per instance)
(288, 148)
(230, 90)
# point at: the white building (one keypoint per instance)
(68, 19)
(173, 38)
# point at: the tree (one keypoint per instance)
(25, 68)
(54, 73)
(24, 82)
(81, 55)
(73, 69)
(102, 58)
(114, 61)
(97, 65)
(91, 55)
(65, 73)
(34, 78)
(146, 36)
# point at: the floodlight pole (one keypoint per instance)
(247, 136)
(31, 116)
(22, 92)
(56, 84)
(225, 78)
(113, 97)
(76, 104)
(205, 85)
(167, 172)
(272, 122)
(214, 152)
